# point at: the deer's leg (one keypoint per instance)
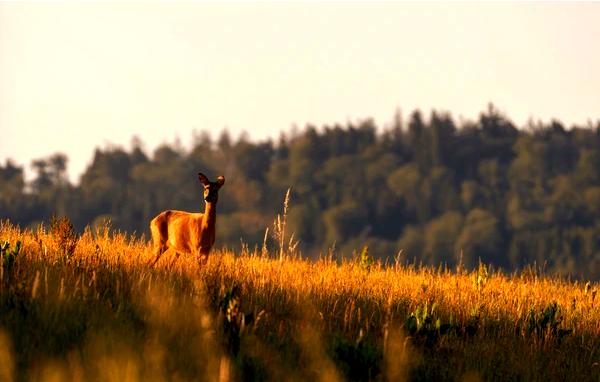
(160, 235)
(158, 251)
(203, 260)
(175, 258)
(202, 256)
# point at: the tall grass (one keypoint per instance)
(91, 308)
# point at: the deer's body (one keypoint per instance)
(188, 232)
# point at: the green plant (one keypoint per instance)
(235, 321)
(423, 323)
(365, 260)
(361, 360)
(472, 324)
(547, 322)
(482, 276)
(8, 257)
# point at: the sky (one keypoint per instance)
(76, 76)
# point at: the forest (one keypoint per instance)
(424, 189)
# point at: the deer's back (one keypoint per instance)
(176, 229)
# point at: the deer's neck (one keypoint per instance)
(206, 237)
(209, 218)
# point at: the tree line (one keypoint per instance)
(427, 188)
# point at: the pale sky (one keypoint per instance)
(77, 76)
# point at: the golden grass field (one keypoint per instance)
(89, 307)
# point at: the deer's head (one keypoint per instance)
(211, 189)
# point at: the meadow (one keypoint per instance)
(90, 307)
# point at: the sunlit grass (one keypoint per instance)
(98, 311)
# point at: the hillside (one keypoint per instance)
(430, 185)
(89, 307)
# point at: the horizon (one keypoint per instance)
(86, 76)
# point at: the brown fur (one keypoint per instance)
(188, 232)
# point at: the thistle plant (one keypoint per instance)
(64, 233)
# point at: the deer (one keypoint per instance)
(188, 232)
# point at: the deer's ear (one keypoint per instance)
(220, 180)
(203, 179)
